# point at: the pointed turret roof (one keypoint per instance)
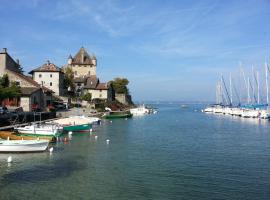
(82, 57)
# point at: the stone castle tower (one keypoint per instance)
(83, 64)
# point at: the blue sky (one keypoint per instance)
(169, 50)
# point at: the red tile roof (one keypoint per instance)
(47, 67)
(102, 86)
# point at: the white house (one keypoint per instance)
(50, 76)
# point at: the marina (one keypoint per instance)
(143, 155)
(252, 108)
(134, 100)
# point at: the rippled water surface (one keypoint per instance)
(176, 154)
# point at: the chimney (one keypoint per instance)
(18, 61)
(4, 50)
(48, 62)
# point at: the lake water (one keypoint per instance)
(176, 154)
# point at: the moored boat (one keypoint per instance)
(141, 110)
(23, 145)
(40, 130)
(76, 124)
(117, 114)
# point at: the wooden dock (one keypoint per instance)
(24, 124)
(12, 136)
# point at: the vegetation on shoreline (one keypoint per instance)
(8, 89)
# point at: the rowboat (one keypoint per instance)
(15, 136)
(23, 145)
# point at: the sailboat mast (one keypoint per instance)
(217, 94)
(266, 80)
(253, 84)
(248, 100)
(231, 88)
(245, 81)
(258, 88)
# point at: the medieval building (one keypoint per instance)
(84, 68)
(33, 95)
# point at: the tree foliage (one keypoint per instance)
(120, 85)
(8, 89)
(87, 97)
(69, 79)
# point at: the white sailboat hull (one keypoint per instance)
(40, 130)
(23, 145)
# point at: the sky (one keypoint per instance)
(171, 50)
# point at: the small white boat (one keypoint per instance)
(40, 130)
(23, 145)
(141, 110)
(208, 109)
(227, 111)
(250, 113)
(237, 112)
(264, 114)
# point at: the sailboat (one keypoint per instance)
(40, 130)
(23, 145)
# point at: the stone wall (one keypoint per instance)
(83, 70)
(123, 98)
(97, 94)
(22, 82)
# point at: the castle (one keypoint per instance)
(46, 83)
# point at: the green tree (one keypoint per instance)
(4, 81)
(87, 97)
(69, 79)
(120, 85)
(8, 89)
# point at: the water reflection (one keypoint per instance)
(43, 173)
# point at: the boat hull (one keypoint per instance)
(118, 116)
(23, 145)
(81, 127)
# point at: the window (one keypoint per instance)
(17, 83)
(100, 90)
(100, 95)
(51, 75)
(89, 73)
(50, 83)
(79, 84)
(40, 75)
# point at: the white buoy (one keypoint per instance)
(96, 137)
(7, 138)
(9, 159)
(107, 141)
(91, 130)
(111, 121)
(38, 138)
(51, 150)
(70, 132)
(126, 119)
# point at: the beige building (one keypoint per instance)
(97, 90)
(50, 76)
(33, 95)
(82, 64)
(84, 67)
